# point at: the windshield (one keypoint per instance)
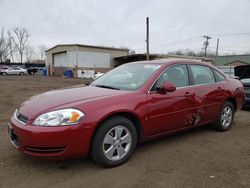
(126, 77)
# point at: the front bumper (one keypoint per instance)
(51, 142)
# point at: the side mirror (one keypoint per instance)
(167, 86)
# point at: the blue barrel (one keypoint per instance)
(68, 73)
(44, 71)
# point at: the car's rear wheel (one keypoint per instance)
(21, 73)
(4, 73)
(114, 142)
(226, 116)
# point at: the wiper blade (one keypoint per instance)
(108, 87)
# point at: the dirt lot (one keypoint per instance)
(196, 158)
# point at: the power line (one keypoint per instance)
(200, 37)
(185, 40)
(231, 34)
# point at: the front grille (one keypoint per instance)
(21, 118)
(45, 149)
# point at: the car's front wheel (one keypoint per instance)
(4, 73)
(114, 142)
(225, 119)
(21, 73)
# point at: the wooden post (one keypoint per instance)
(217, 49)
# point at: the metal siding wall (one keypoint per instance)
(89, 59)
(71, 48)
(222, 60)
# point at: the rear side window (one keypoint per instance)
(202, 74)
(219, 77)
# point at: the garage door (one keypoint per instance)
(88, 59)
(60, 59)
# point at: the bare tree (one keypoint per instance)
(7, 48)
(42, 49)
(12, 48)
(131, 52)
(20, 38)
(29, 52)
(3, 47)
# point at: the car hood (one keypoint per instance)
(55, 99)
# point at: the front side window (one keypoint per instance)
(177, 74)
(202, 74)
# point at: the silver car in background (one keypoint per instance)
(13, 71)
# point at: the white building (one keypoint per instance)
(71, 56)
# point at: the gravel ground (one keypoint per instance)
(195, 158)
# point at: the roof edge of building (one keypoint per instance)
(234, 55)
(88, 46)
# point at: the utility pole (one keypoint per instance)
(206, 43)
(217, 49)
(147, 37)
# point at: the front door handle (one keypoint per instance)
(219, 88)
(188, 94)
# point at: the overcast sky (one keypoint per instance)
(122, 23)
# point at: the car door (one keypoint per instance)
(208, 92)
(11, 71)
(16, 70)
(173, 110)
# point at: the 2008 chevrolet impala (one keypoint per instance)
(130, 104)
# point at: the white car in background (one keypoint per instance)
(97, 75)
(13, 71)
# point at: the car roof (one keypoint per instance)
(173, 61)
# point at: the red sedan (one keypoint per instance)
(133, 103)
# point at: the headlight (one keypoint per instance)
(59, 118)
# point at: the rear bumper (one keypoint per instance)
(51, 142)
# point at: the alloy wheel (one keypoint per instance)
(117, 143)
(226, 117)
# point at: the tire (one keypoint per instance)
(226, 116)
(21, 73)
(4, 73)
(114, 142)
